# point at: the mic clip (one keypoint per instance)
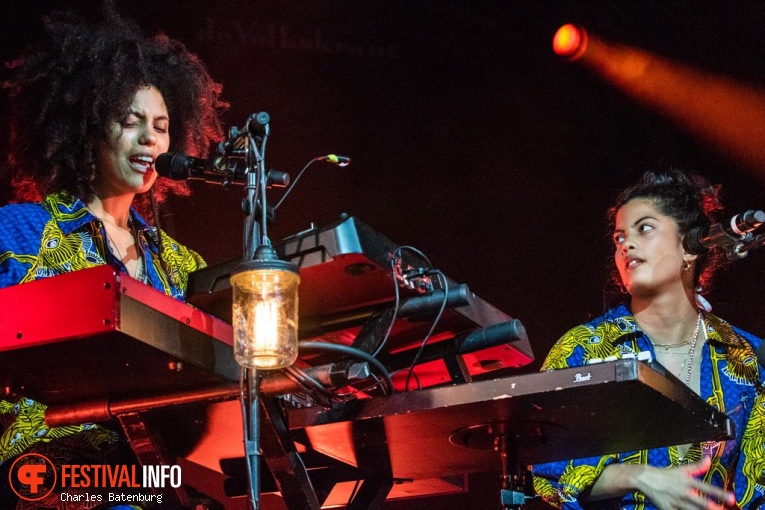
(742, 248)
(735, 237)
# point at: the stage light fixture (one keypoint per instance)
(570, 41)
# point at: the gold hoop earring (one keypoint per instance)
(686, 266)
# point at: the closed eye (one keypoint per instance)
(130, 120)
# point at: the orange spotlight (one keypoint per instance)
(717, 110)
(570, 41)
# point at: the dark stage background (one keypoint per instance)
(470, 139)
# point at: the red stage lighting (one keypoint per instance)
(570, 41)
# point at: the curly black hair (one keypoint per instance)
(68, 91)
(686, 197)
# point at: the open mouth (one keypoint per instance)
(141, 164)
(633, 262)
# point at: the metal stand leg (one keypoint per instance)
(372, 493)
(251, 408)
(284, 461)
(515, 481)
(150, 450)
(374, 461)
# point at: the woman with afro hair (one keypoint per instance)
(92, 106)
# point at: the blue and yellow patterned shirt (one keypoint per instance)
(60, 235)
(731, 381)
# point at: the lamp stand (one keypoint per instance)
(251, 410)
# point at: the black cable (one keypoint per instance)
(292, 184)
(350, 351)
(414, 375)
(432, 327)
(248, 225)
(299, 375)
(418, 272)
(261, 162)
(397, 304)
(417, 380)
(415, 251)
(321, 395)
(395, 309)
(304, 377)
(365, 389)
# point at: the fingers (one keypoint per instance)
(681, 489)
(705, 496)
(710, 497)
(701, 467)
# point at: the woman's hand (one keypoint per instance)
(667, 488)
(677, 489)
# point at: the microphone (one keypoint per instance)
(180, 167)
(725, 235)
(338, 160)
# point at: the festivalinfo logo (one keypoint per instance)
(33, 477)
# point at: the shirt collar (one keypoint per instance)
(717, 330)
(71, 213)
(721, 331)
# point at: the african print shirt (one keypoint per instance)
(60, 235)
(731, 382)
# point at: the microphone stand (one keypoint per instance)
(256, 130)
(250, 396)
(257, 179)
(748, 243)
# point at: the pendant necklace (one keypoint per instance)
(691, 351)
(140, 259)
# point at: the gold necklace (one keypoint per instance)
(110, 240)
(689, 357)
(681, 344)
(140, 259)
(671, 346)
